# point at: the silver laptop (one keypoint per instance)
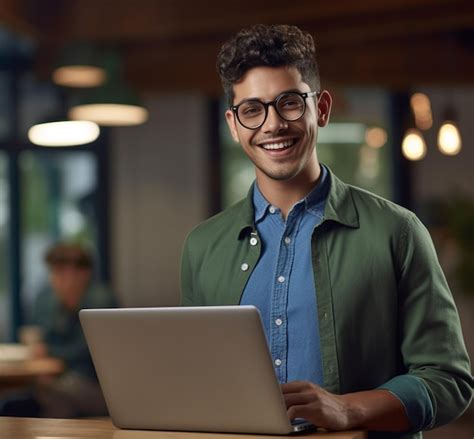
(188, 369)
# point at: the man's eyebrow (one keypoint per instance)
(292, 90)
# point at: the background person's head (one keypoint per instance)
(267, 46)
(70, 271)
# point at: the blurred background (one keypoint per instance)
(160, 159)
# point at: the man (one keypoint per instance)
(359, 319)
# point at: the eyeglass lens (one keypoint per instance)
(289, 106)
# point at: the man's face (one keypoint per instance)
(280, 150)
(69, 282)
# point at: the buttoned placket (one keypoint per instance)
(280, 290)
(254, 242)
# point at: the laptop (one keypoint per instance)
(187, 369)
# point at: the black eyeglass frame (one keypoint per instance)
(274, 104)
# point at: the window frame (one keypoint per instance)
(13, 145)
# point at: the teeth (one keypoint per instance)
(280, 145)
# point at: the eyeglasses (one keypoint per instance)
(290, 106)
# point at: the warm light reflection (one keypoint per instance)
(421, 107)
(375, 137)
(110, 114)
(67, 133)
(449, 139)
(413, 145)
(79, 76)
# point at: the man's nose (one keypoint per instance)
(274, 122)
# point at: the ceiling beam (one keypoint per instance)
(12, 15)
(169, 20)
(168, 45)
(397, 64)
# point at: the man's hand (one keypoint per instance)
(307, 400)
(371, 410)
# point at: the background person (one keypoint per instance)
(76, 392)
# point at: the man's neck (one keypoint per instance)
(284, 194)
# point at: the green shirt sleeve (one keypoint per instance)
(413, 394)
(432, 345)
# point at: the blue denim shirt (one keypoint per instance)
(282, 285)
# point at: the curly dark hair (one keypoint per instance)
(270, 46)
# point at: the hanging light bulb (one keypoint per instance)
(421, 108)
(449, 138)
(413, 145)
(64, 133)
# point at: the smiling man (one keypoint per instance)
(359, 319)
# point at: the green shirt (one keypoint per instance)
(384, 307)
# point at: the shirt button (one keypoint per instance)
(287, 240)
(272, 209)
(277, 362)
(278, 322)
(244, 267)
(253, 241)
(281, 279)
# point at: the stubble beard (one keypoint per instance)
(278, 174)
(283, 171)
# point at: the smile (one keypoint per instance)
(278, 145)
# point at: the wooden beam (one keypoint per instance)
(12, 15)
(166, 20)
(169, 45)
(397, 64)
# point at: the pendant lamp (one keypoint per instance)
(413, 145)
(80, 65)
(112, 104)
(449, 137)
(63, 133)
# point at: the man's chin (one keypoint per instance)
(281, 175)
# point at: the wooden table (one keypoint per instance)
(30, 368)
(18, 373)
(30, 428)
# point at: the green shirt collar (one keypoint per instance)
(340, 208)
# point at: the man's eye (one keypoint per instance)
(290, 103)
(252, 110)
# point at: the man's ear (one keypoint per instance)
(230, 119)
(324, 108)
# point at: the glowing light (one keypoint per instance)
(449, 139)
(67, 133)
(81, 76)
(413, 145)
(421, 107)
(110, 114)
(375, 137)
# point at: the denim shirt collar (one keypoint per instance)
(313, 202)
